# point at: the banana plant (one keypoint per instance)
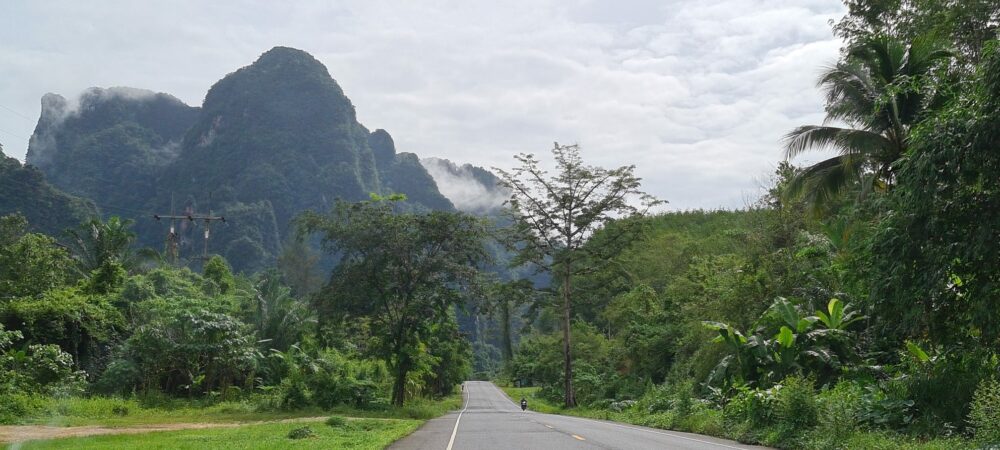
(815, 344)
(746, 355)
(787, 312)
(838, 316)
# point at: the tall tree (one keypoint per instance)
(30, 263)
(879, 91)
(95, 242)
(502, 299)
(280, 318)
(402, 272)
(298, 264)
(555, 216)
(966, 24)
(937, 255)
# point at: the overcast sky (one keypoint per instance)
(696, 94)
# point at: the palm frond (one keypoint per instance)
(847, 141)
(824, 181)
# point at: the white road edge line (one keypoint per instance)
(451, 442)
(626, 426)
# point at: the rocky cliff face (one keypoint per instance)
(271, 140)
(109, 144)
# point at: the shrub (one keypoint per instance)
(16, 406)
(886, 406)
(985, 412)
(336, 421)
(943, 386)
(301, 433)
(756, 407)
(796, 403)
(839, 409)
(120, 377)
(294, 393)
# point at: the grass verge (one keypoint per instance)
(355, 434)
(118, 412)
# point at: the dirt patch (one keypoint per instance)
(10, 434)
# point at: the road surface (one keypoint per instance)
(490, 420)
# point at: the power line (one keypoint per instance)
(13, 134)
(172, 235)
(18, 114)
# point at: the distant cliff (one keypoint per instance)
(271, 140)
(23, 190)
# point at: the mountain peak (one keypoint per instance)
(285, 58)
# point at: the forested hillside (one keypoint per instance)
(24, 190)
(271, 140)
(853, 305)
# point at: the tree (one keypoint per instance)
(555, 216)
(502, 300)
(280, 318)
(967, 24)
(94, 242)
(30, 263)
(217, 270)
(400, 271)
(83, 325)
(935, 256)
(297, 264)
(880, 90)
(186, 347)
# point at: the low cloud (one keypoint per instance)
(460, 185)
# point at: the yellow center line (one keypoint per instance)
(579, 438)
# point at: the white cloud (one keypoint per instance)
(696, 94)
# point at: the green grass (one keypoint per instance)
(117, 412)
(357, 434)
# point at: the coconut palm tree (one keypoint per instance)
(94, 242)
(878, 91)
(281, 319)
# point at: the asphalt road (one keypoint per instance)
(490, 420)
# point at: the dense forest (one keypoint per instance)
(853, 305)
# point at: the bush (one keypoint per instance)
(796, 403)
(756, 407)
(301, 433)
(40, 369)
(186, 348)
(943, 387)
(839, 410)
(294, 393)
(14, 407)
(985, 412)
(886, 406)
(120, 378)
(336, 421)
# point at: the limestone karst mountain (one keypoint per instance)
(271, 140)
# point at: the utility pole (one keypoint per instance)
(172, 235)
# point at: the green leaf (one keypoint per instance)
(787, 312)
(785, 337)
(917, 352)
(836, 308)
(804, 324)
